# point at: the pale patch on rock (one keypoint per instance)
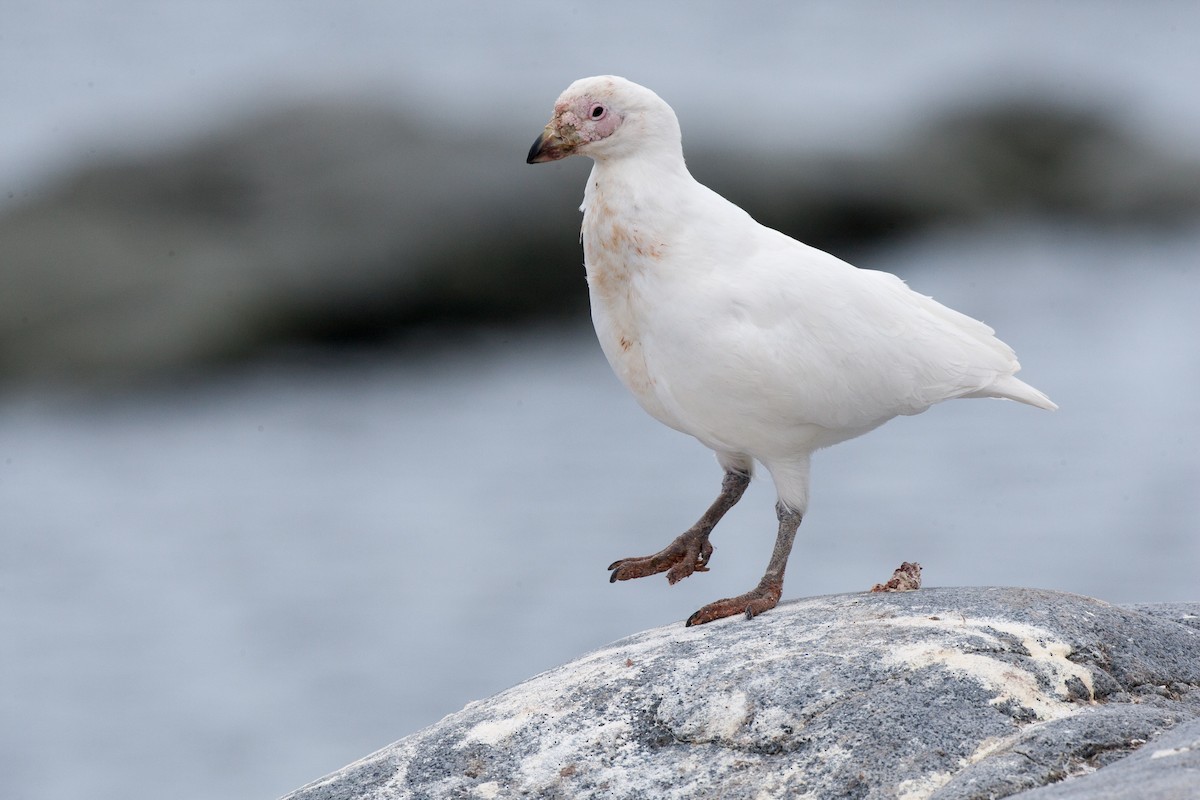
(991, 746)
(1047, 657)
(1170, 751)
(559, 759)
(488, 790)
(922, 787)
(493, 732)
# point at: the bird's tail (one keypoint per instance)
(1011, 388)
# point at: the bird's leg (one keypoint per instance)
(690, 550)
(766, 595)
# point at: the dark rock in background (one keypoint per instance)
(332, 223)
(1022, 158)
(956, 693)
(315, 223)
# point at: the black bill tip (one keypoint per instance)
(536, 150)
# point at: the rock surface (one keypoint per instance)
(937, 693)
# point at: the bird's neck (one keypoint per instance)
(642, 192)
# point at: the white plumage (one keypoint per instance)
(761, 347)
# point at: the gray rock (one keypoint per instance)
(1168, 768)
(937, 693)
(1183, 613)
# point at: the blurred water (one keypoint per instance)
(79, 78)
(234, 587)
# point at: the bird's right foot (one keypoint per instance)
(688, 553)
(762, 598)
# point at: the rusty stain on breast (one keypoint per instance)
(620, 255)
(612, 248)
(607, 280)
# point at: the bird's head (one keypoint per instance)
(606, 117)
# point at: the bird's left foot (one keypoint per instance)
(762, 598)
(688, 553)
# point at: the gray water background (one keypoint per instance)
(232, 587)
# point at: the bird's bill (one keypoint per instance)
(550, 146)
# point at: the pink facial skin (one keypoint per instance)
(590, 119)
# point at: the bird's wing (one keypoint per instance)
(799, 337)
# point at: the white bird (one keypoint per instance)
(761, 347)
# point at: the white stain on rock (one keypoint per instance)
(488, 790)
(1170, 751)
(922, 787)
(1038, 682)
(494, 732)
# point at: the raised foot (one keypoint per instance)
(762, 598)
(688, 553)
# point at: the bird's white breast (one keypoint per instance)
(620, 256)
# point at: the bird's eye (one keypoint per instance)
(597, 111)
